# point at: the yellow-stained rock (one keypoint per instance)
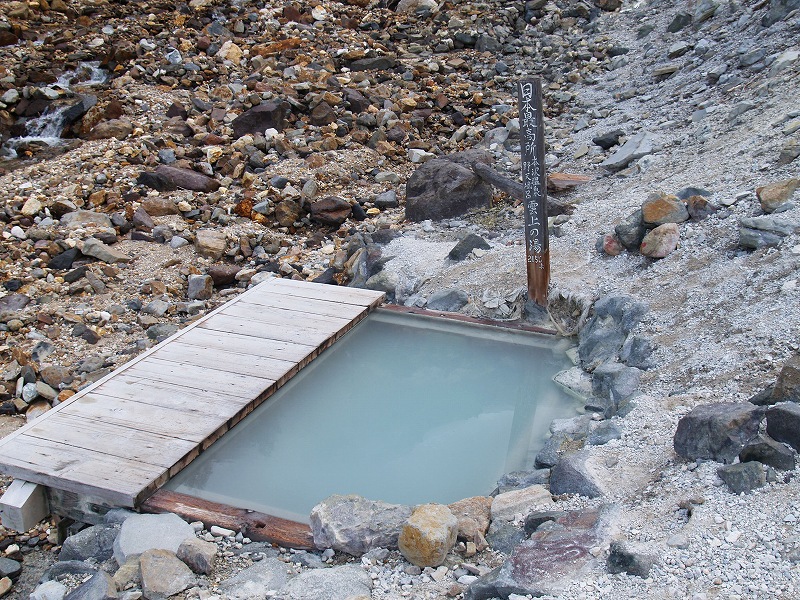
(428, 535)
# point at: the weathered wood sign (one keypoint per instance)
(534, 182)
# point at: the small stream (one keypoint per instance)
(46, 129)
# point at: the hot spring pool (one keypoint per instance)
(404, 408)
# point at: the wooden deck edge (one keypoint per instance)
(255, 525)
(514, 325)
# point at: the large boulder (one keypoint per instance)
(783, 424)
(604, 334)
(428, 535)
(717, 431)
(442, 189)
(355, 525)
(787, 388)
(578, 473)
(140, 533)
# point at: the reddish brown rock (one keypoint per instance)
(699, 208)
(270, 115)
(331, 211)
(611, 245)
(776, 194)
(287, 212)
(664, 208)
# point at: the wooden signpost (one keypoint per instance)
(534, 182)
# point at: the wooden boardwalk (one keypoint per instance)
(120, 439)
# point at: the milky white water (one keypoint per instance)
(404, 409)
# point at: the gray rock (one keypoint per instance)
(100, 587)
(252, 582)
(704, 10)
(787, 387)
(778, 11)
(767, 451)
(387, 199)
(161, 331)
(197, 554)
(97, 249)
(9, 568)
(449, 300)
(783, 424)
(355, 525)
(602, 337)
(536, 519)
(200, 287)
(384, 281)
(166, 178)
(553, 557)
(626, 558)
(504, 536)
(140, 533)
(338, 583)
(311, 560)
(717, 431)
(636, 352)
(269, 115)
(522, 479)
(463, 248)
(679, 21)
(604, 433)
(82, 218)
(631, 231)
(49, 590)
(609, 139)
(770, 223)
(743, 477)
(95, 542)
(164, 575)
(639, 145)
(442, 189)
(508, 504)
(753, 239)
(615, 381)
(577, 474)
(740, 108)
(157, 307)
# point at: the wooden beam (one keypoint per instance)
(23, 505)
(255, 525)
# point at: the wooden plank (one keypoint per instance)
(309, 305)
(333, 293)
(146, 391)
(514, 325)
(246, 344)
(191, 425)
(264, 331)
(200, 378)
(104, 438)
(255, 525)
(74, 469)
(230, 362)
(285, 316)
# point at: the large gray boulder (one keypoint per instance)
(140, 533)
(605, 333)
(577, 473)
(442, 189)
(717, 431)
(338, 583)
(355, 525)
(783, 424)
(95, 542)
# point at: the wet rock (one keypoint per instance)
(473, 515)
(97, 249)
(743, 477)
(449, 300)
(553, 557)
(355, 525)
(661, 241)
(140, 533)
(332, 211)
(428, 535)
(506, 505)
(185, 179)
(767, 451)
(345, 582)
(210, 243)
(663, 208)
(269, 115)
(200, 287)
(774, 195)
(100, 587)
(717, 431)
(639, 145)
(163, 574)
(577, 473)
(252, 582)
(783, 424)
(96, 542)
(463, 248)
(624, 557)
(113, 128)
(442, 189)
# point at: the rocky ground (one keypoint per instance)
(187, 196)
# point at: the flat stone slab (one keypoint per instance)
(140, 533)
